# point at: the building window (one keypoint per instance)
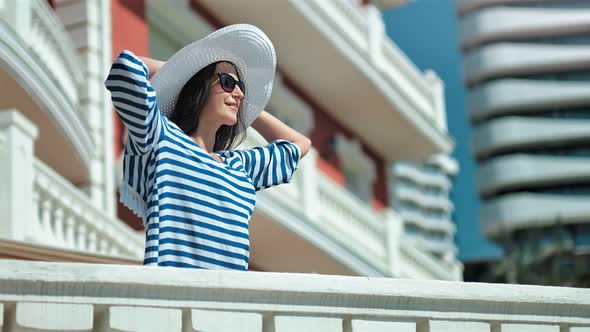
(358, 168)
(289, 108)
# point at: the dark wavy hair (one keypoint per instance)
(190, 103)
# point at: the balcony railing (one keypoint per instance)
(64, 217)
(83, 297)
(333, 209)
(418, 264)
(45, 37)
(42, 63)
(422, 220)
(407, 192)
(363, 30)
(351, 221)
(42, 208)
(414, 173)
(373, 236)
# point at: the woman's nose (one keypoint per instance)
(238, 93)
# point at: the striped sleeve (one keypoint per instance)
(272, 164)
(135, 101)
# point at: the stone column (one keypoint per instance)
(309, 184)
(438, 104)
(394, 227)
(17, 138)
(376, 33)
(88, 23)
(18, 16)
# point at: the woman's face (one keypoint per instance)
(222, 107)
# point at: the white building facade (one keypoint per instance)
(420, 194)
(526, 67)
(57, 131)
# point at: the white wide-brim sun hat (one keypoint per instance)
(244, 45)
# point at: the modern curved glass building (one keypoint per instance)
(527, 70)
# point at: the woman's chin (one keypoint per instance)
(230, 117)
(230, 122)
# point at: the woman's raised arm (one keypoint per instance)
(152, 65)
(272, 129)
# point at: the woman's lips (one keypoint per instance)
(233, 106)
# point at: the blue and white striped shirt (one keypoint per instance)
(196, 210)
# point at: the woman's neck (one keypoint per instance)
(205, 137)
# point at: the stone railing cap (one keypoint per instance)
(183, 284)
(12, 117)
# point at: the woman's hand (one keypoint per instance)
(152, 65)
(272, 129)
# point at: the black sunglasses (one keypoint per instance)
(228, 83)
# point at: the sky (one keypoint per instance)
(426, 31)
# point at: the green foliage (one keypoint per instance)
(530, 259)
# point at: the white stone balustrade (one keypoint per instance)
(347, 218)
(374, 237)
(40, 57)
(68, 219)
(38, 296)
(36, 24)
(17, 136)
(417, 264)
(364, 31)
(41, 207)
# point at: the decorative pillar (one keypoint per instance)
(92, 241)
(376, 33)
(70, 232)
(35, 232)
(58, 222)
(46, 227)
(394, 228)
(438, 103)
(88, 23)
(17, 138)
(18, 16)
(81, 237)
(309, 185)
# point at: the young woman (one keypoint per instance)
(195, 194)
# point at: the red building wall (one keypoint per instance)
(129, 30)
(325, 129)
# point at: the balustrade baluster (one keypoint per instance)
(58, 217)
(62, 216)
(114, 250)
(92, 241)
(46, 221)
(34, 230)
(81, 243)
(70, 240)
(103, 246)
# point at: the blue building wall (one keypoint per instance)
(426, 30)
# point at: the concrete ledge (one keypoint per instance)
(286, 294)
(32, 316)
(128, 318)
(225, 321)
